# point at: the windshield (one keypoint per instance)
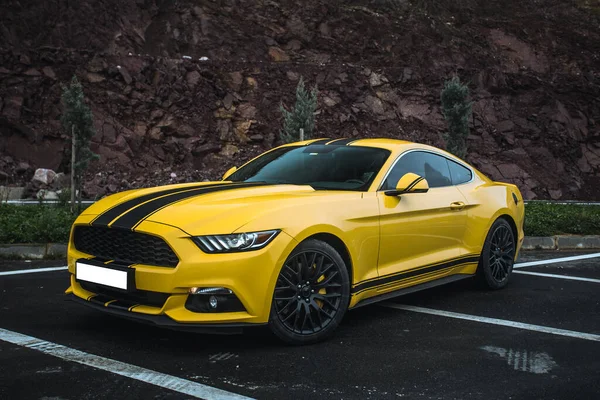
(320, 166)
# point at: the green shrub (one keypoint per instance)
(456, 109)
(547, 219)
(301, 116)
(35, 224)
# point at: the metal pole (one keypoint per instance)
(73, 168)
(301, 134)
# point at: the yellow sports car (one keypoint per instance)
(296, 237)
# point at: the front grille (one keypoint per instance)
(143, 297)
(126, 247)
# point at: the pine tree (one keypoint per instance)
(78, 123)
(302, 116)
(456, 109)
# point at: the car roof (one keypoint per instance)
(384, 143)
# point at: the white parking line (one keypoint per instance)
(170, 382)
(556, 260)
(495, 321)
(572, 278)
(33, 270)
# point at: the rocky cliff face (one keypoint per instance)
(181, 90)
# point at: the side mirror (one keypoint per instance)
(409, 183)
(228, 173)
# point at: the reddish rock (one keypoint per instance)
(125, 74)
(93, 77)
(192, 78)
(12, 107)
(510, 171)
(32, 72)
(49, 72)
(235, 80)
(277, 54)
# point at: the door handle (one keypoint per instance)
(457, 205)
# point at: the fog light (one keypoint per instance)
(212, 301)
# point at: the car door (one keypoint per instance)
(420, 229)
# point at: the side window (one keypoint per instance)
(459, 173)
(432, 167)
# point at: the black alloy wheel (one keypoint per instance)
(497, 258)
(311, 294)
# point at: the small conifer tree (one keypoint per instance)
(456, 109)
(78, 123)
(301, 116)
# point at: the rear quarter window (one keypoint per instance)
(459, 173)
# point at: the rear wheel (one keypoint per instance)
(311, 294)
(497, 257)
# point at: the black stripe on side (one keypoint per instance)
(340, 142)
(122, 305)
(132, 218)
(100, 299)
(413, 184)
(106, 217)
(412, 273)
(320, 141)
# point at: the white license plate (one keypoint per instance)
(101, 275)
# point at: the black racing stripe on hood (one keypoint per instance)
(134, 217)
(107, 216)
(320, 141)
(340, 142)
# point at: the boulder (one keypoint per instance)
(43, 176)
(44, 194)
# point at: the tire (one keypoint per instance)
(497, 258)
(311, 294)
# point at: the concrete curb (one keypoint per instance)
(561, 242)
(33, 251)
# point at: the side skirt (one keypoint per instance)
(412, 289)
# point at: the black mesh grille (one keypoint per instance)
(143, 297)
(124, 246)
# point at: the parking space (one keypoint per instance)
(379, 351)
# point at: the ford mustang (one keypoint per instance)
(295, 238)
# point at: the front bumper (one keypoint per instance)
(251, 276)
(164, 321)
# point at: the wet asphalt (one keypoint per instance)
(377, 353)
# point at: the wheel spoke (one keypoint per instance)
(319, 268)
(325, 300)
(325, 283)
(316, 307)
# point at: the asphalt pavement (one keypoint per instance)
(538, 338)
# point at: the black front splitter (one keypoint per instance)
(164, 321)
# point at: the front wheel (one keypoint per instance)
(497, 257)
(311, 295)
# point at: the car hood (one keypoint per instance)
(207, 208)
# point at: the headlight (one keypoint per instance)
(234, 242)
